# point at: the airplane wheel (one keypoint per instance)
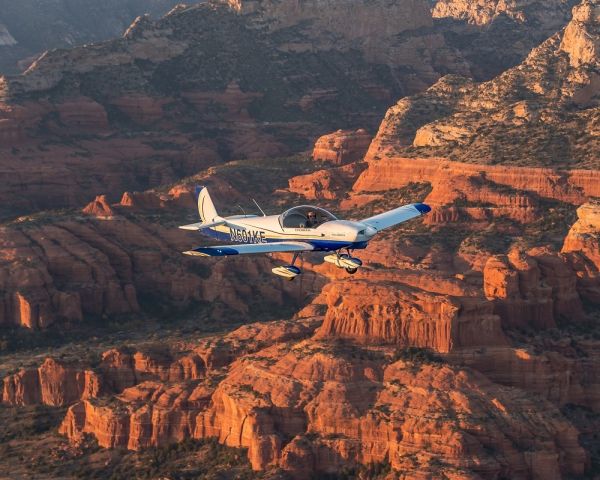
(352, 271)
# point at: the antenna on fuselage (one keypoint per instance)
(261, 210)
(241, 208)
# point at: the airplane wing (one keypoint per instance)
(225, 250)
(396, 216)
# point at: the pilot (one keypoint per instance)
(311, 220)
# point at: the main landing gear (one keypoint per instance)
(341, 260)
(289, 272)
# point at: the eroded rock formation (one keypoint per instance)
(310, 406)
(63, 269)
(553, 14)
(454, 352)
(174, 96)
(331, 183)
(99, 208)
(53, 383)
(342, 146)
(556, 85)
(532, 291)
(413, 364)
(480, 185)
(403, 316)
(582, 247)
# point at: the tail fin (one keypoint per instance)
(206, 208)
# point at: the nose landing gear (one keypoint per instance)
(346, 261)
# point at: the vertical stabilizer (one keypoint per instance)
(206, 208)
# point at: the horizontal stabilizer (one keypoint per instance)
(397, 216)
(202, 225)
(250, 248)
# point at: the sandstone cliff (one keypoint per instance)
(461, 348)
(104, 114)
(53, 383)
(553, 13)
(61, 269)
(582, 247)
(396, 314)
(342, 147)
(494, 36)
(328, 183)
(547, 106)
(461, 191)
(414, 364)
(176, 95)
(313, 407)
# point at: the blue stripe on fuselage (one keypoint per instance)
(320, 245)
(221, 236)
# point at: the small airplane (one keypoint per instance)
(300, 229)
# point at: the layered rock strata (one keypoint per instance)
(176, 95)
(453, 181)
(282, 394)
(64, 269)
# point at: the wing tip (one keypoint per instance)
(423, 208)
(193, 253)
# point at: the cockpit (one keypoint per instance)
(305, 216)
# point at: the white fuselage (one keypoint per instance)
(330, 235)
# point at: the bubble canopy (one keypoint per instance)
(298, 217)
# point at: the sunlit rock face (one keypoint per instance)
(581, 39)
(543, 112)
(500, 34)
(62, 269)
(106, 113)
(418, 358)
(553, 13)
(309, 406)
(342, 147)
(582, 247)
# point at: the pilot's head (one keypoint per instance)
(312, 216)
